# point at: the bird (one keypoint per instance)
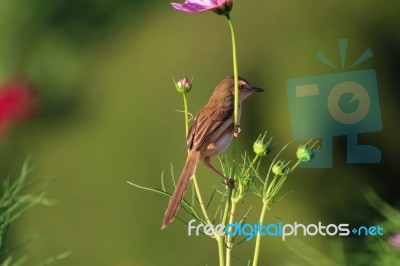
(210, 135)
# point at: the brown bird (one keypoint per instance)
(210, 135)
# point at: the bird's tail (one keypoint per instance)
(180, 189)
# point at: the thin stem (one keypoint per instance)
(186, 113)
(200, 198)
(268, 196)
(294, 166)
(258, 239)
(220, 239)
(196, 184)
(251, 165)
(227, 207)
(229, 237)
(224, 218)
(235, 127)
(236, 96)
(235, 74)
(236, 197)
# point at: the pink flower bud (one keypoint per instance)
(184, 85)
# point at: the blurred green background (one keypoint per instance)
(106, 115)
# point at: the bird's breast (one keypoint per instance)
(219, 145)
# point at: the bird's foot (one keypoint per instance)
(236, 134)
(230, 183)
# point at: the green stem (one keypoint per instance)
(229, 239)
(258, 239)
(268, 196)
(200, 198)
(235, 74)
(236, 197)
(251, 165)
(235, 128)
(294, 166)
(196, 184)
(186, 113)
(224, 218)
(220, 240)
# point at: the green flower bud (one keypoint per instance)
(260, 148)
(184, 85)
(279, 168)
(305, 154)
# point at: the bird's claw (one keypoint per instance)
(230, 183)
(236, 134)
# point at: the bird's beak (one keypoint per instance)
(257, 89)
(253, 89)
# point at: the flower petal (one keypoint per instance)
(198, 6)
(190, 8)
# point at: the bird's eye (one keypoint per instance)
(241, 85)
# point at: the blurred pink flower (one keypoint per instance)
(17, 101)
(394, 240)
(198, 6)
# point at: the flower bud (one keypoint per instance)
(279, 168)
(305, 154)
(260, 148)
(184, 85)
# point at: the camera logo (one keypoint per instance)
(339, 104)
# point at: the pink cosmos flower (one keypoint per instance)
(221, 7)
(16, 103)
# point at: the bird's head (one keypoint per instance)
(245, 89)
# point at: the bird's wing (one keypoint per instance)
(205, 124)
